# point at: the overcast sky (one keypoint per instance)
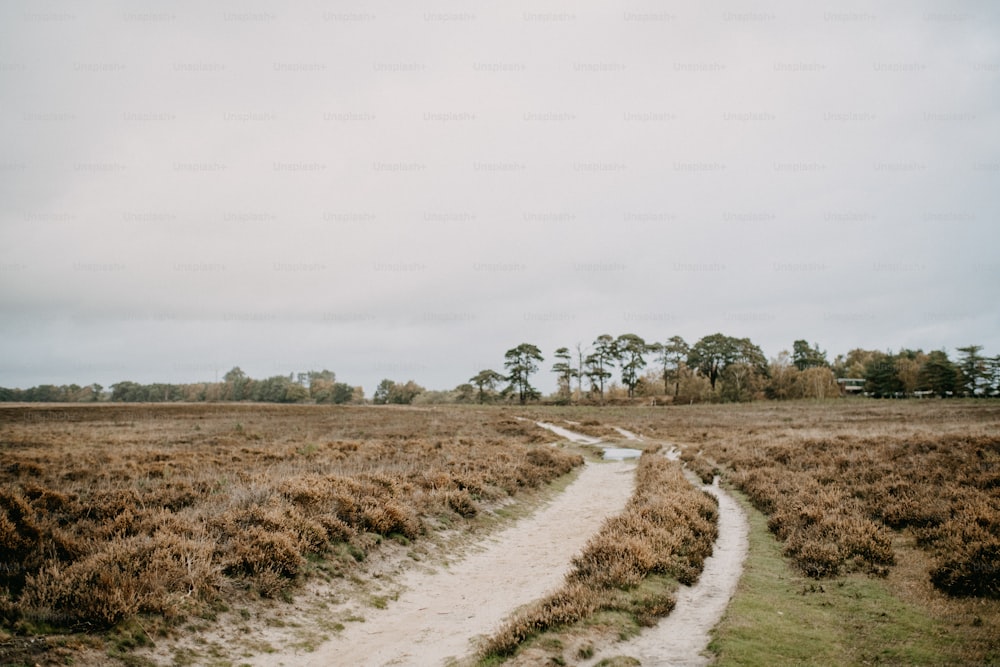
(408, 190)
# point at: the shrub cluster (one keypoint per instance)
(668, 528)
(107, 512)
(835, 502)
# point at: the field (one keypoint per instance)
(901, 495)
(165, 513)
(133, 520)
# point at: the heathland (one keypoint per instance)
(148, 522)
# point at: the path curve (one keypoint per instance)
(681, 638)
(439, 615)
(572, 436)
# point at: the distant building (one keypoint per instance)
(851, 386)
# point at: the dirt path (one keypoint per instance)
(681, 638)
(567, 434)
(439, 615)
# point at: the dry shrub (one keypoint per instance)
(614, 560)
(968, 562)
(835, 499)
(21, 539)
(126, 576)
(697, 464)
(572, 602)
(648, 609)
(462, 503)
(29, 540)
(390, 518)
(111, 510)
(257, 550)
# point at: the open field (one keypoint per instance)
(899, 498)
(167, 513)
(873, 521)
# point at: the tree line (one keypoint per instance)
(719, 367)
(307, 387)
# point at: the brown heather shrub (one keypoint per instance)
(614, 560)
(572, 602)
(462, 503)
(111, 510)
(256, 549)
(125, 577)
(968, 554)
(391, 517)
(835, 480)
(697, 464)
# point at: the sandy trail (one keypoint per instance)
(681, 638)
(440, 615)
(572, 436)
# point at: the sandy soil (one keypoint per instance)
(572, 436)
(681, 638)
(439, 616)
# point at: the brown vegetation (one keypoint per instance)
(111, 511)
(668, 528)
(836, 479)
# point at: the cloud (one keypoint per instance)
(408, 193)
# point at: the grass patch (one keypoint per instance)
(779, 616)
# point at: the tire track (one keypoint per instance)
(439, 616)
(680, 639)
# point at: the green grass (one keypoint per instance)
(780, 617)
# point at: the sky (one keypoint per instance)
(408, 190)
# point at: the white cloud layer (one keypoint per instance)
(409, 192)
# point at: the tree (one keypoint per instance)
(675, 352)
(973, 370)
(236, 384)
(564, 372)
(740, 381)
(629, 349)
(126, 391)
(279, 389)
(486, 381)
(403, 394)
(784, 377)
(804, 356)
(321, 385)
(908, 365)
(712, 354)
(295, 393)
(816, 382)
(341, 393)
(854, 363)
(881, 378)
(994, 376)
(938, 374)
(581, 355)
(464, 393)
(599, 361)
(396, 393)
(521, 362)
(324, 374)
(382, 391)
